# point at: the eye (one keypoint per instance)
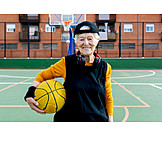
(81, 39)
(90, 38)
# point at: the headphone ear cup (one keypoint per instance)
(83, 61)
(80, 60)
(77, 60)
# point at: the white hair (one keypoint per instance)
(96, 36)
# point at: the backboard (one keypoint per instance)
(58, 20)
(68, 21)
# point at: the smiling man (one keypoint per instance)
(87, 81)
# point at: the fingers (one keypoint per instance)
(33, 105)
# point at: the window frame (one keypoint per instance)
(48, 28)
(149, 26)
(10, 28)
(128, 28)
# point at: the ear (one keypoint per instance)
(97, 39)
(97, 42)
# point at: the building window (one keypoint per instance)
(32, 16)
(8, 46)
(49, 28)
(104, 16)
(106, 30)
(101, 28)
(33, 32)
(10, 27)
(65, 37)
(32, 46)
(106, 46)
(128, 45)
(48, 45)
(149, 27)
(151, 46)
(128, 27)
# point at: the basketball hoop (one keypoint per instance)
(66, 24)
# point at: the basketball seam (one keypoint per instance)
(59, 94)
(53, 95)
(43, 96)
(50, 92)
(58, 89)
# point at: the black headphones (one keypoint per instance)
(81, 59)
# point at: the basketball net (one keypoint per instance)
(66, 24)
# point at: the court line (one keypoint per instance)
(28, 106)
(14, 106)
(138, 98)
(126, 107)
(20, 69)
(15, 84)
(132, 106)
(111, 83)
(137, 83)
(155, 86)
(126, 114)
(130, 77)
(9, 76)
(136, 69)
(111, 69)
(140, 76)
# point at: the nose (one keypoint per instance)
(86, 42)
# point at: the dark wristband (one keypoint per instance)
(30, 92)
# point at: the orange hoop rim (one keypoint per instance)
(66, 22)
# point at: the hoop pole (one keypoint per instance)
(74, 46)
(71, 41)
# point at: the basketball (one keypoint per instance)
(50, 95)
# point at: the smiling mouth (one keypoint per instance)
(86, 47)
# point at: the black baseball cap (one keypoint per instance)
(86, 27)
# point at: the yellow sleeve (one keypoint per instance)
(109, 98)
(58, 70)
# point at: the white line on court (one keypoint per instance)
(140, 76)
(138, 83)
(8, 76)
(130, 77)
(153, 85)
(14, 83)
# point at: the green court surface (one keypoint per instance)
(137, 96)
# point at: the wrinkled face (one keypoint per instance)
(87, 43)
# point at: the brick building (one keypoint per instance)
(121, 35)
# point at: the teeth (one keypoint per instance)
(86, 47)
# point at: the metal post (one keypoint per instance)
(120, 41)
(28, 42)
(143, 39)
(74, 46)
(71, 41)
(5, 40)
(51, 42)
